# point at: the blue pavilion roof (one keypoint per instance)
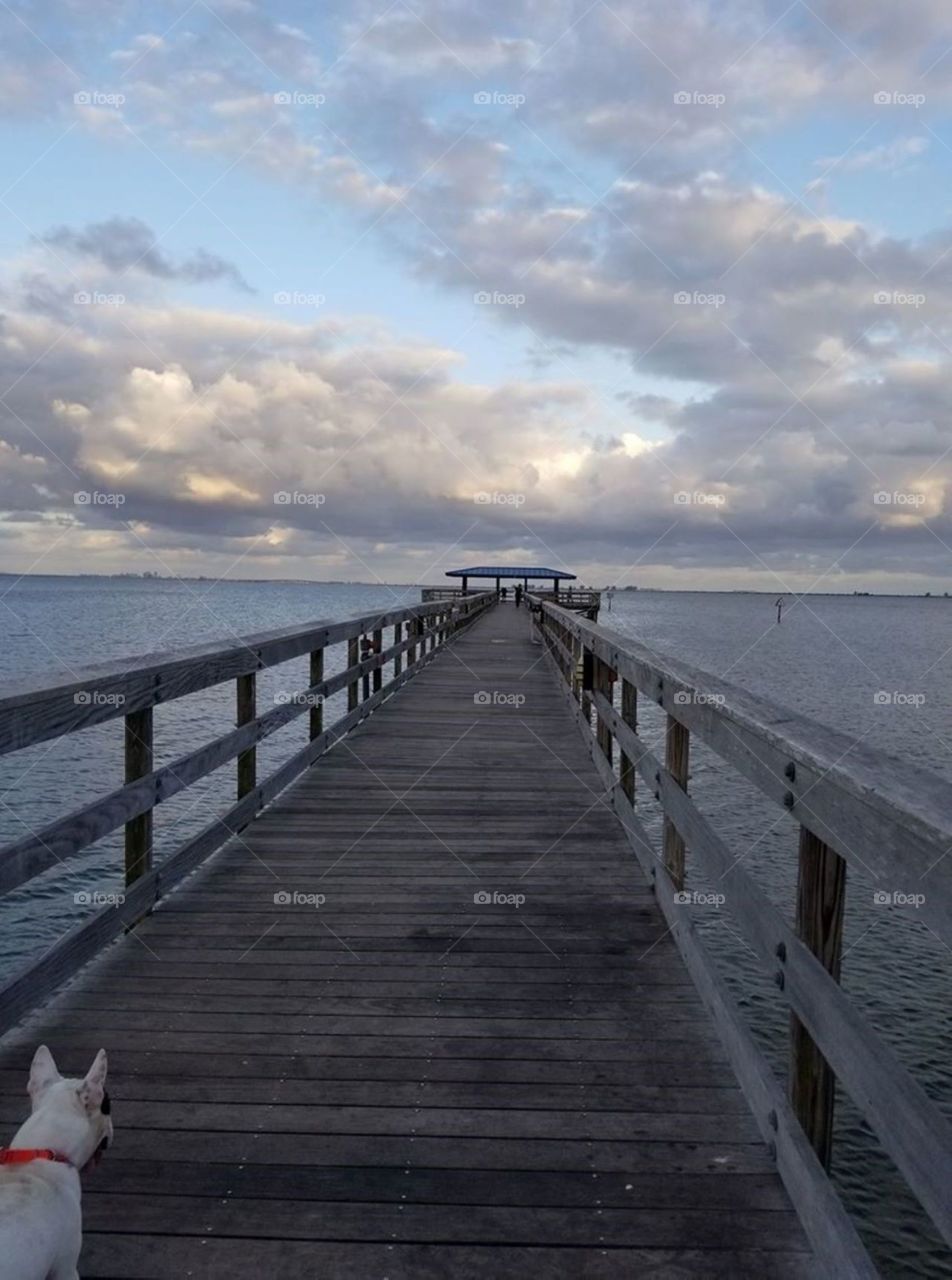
(507, 571)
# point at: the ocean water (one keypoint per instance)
(879, 668)
(51, 627)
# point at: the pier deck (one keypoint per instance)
(406, 1080)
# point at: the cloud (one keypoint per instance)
(610, 166)
(127, 244)
(890, 156)
(199, 418)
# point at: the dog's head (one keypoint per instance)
(76, 1112)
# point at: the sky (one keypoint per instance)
(656, 291)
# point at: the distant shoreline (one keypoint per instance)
(338, 582)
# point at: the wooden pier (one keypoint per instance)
(433, 1009)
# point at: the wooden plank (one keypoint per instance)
(568, 1227)
(508, 1188)
(164, 1257)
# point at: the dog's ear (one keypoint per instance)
(92, 1089)
(43, 1072)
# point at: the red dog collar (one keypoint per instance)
(23, 1155)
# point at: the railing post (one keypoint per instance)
(413, 627)
(676, 752)
(397, 657)
(247, 760)
(378, 649)
(587, 661)
(578, 667)
(629, 714)
(316, 676)
(603, 677)
(138, 763)
(366, 651)
(821, 892)
(353, 657)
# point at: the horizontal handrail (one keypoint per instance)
(907, 1122)
(886, 816)
(141, 685)
(789, 757)
(103, 692)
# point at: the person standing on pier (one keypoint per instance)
(517, 592)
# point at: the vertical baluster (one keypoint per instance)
(603, 677)
(353, 657)
(316, 676)
(629, 713)
(138, 763)
(378, 649)
(587, 659)
(676, 752)
(247, 760)
(821, 892)
(366, 650)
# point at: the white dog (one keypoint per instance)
(41, 1224)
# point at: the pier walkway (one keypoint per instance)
(422, 1017)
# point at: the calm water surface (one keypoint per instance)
(833, 658)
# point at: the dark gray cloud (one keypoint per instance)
(128, 244)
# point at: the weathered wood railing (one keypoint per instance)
(580, 599)
(133, 690)
(854, 806)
